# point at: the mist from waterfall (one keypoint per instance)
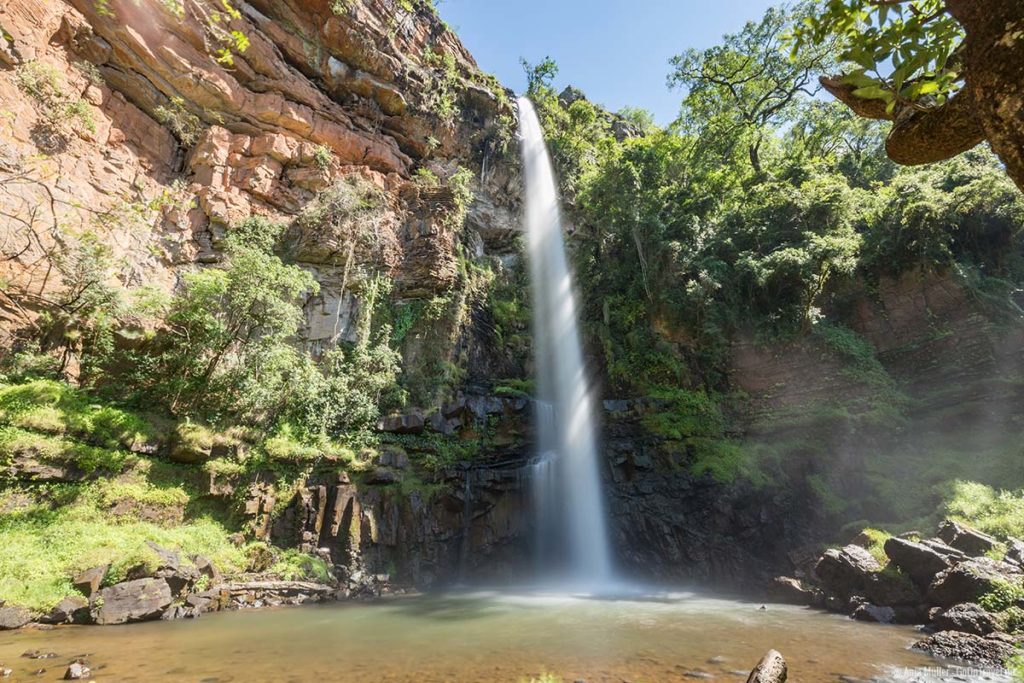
(572, 536)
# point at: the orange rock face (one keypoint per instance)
(141, 136)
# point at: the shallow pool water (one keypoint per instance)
(488, 637)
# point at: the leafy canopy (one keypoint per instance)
(899, 52)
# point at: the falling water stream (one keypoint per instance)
(566, 483)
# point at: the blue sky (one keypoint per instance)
(616, 51)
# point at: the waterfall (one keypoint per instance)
(566, 482)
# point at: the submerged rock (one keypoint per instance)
(771, 669)
(77, 671)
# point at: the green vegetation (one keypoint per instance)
(1000, 513)
(60, 113)
(760, 218)
(185, 125)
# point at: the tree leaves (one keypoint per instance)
(905, 50)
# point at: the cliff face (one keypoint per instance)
(120, 121)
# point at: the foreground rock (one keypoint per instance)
(771, 669)
(138, 600)
(936, 583)
(992, 650)
(14, 617)
(846, 572)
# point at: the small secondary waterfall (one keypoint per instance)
(566, 482)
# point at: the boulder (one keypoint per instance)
(206, 568)
(73, 608)
(846, 572)
(88, 582)
(771, 669)
(1015, 552)
(918, 561)
(966, 618)
(77, 671)
(875, 613)
(792, 591)
(138, 600)
(952, 554)
(961, 537)
(968, 581)
(14, 617)
(892, 588)
(991, 650)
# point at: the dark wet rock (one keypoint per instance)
(89, 581)
(394, 457)
(1015, 551)
(991, 650)
(771, 669)
(139, 600)
(875, 613)
(412, 423)
(916, 560)
(893, 588)
(961, 537)
(73, 608)
(968, 581)
(77, 671)
(966, 618)
(846, 572)
(14, 617)
(908, 614)
(791, 591)
(381, 476)
(950, 553)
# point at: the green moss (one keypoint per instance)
(18, 442)
(67, 529)
(58, 408)
(1003, 596)
(295, 566)
(876, 544)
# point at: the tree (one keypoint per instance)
(539, 76)
(949, 74)
(743, 89)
